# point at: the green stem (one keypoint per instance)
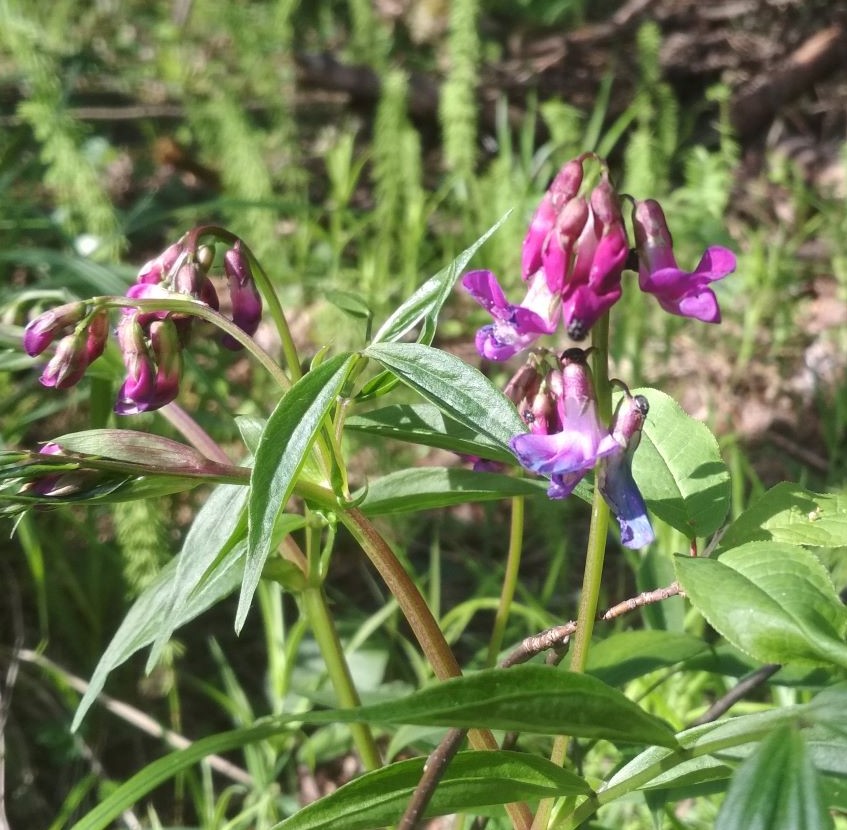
(595, 554)
(417, 614)
(510, 579)
(315, 606)
(266, 289)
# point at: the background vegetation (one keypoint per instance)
(358, 146)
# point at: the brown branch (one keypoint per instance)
(739, 691)
(558, 637)
(754, 106)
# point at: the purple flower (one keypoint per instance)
(137, 392)
(166, 348)
(593, 284)
(68, 364)
(96, 335)
(515, 327)
(157, 270)
(686, 293)
(44, 329)
(580, 442)
(614, 477)
(573, 257)
(561, 192)
(246, 300)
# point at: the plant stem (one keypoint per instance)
(510, 579)
(315, 606)
(595, 554)
(421, 621)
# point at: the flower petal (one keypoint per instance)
(625, 501)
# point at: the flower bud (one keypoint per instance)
(41, 331)
(138, 387)
(165, 344)
(246, 300)
(157, 270)
(563, 189)
(68, 364)
(564, 243)
(96, 335)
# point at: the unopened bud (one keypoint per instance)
(96, 335)
(246, 300)
(205, 257)
(68, 364)
(41, 331)
(157, 270)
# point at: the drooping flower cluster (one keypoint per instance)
(573, 259)
(150, 341)
(567, 440)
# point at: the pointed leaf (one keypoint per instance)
(776, 788)
(775, 602)
(426, 488)
(156, 610)
(679, 469)
(286, 440)
(457, 389)
(526, 699)
(472, 780)
(425, 304)
(426, 424)
(788, 513)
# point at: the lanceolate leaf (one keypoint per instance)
(425, 304)
(171, 599)
(527, 699)
(424, 488)
(775, 602)
(788, 513)
(472, 780)
(457, 389)
(776, 788)
(679, 469)
(286, 440)
(426, 424)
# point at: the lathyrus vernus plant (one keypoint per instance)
(632, 455)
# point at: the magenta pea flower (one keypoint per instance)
(44, 329)
(246, 300)
(580, 440)
(515, 327)
(68, 364)
(137, 391)
(157, 269)
(614, 474)
(685, 293)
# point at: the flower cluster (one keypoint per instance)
(151, 342)
(566, 439)
(573, 259)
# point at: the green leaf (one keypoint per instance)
(426, 488)
(774, 602)
(288, 436)
(472, 780)
(457, 389)
(426, 424)
(776, 788)
(679, 469)
(525, 699)
(788, 513)
(171, 600)
(631, 654)
(425, 304)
